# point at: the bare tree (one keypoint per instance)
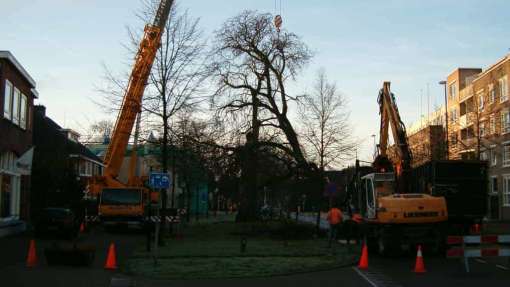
(326, 130)
(99, 132)
(252, 63)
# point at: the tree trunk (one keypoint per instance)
(249, 170)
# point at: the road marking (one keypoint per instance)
(480, 260)
(364, 277)
(502, 267)
(376, 279)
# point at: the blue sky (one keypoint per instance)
(64, 43)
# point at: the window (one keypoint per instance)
(484, 155)
(492, 124)
(370, 194)
(493, 156)
(453, 139)
(83, 168)
(506, 154)
(23, 112)
(467, 133)
(494, 184)
(8, 100)
(453, 91)
(453, 115)
(482, 129)
(503, 88)
(505, 122)
(492, 94)
(506, 190)
(480, 101)
(15, 106)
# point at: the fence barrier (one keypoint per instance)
(470, 246)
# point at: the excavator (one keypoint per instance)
(128, 201)
(394, 216)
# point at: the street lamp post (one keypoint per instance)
(375, 146)
(446, 117)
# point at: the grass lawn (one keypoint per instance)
(213, 250)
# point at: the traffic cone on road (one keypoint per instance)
(32, 255)
(363, 262)
(111, 259)
(419, 267)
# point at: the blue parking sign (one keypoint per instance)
(159, 180)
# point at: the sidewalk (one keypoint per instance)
(312, 219)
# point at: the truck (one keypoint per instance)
(464, 185)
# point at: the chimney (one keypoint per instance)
(40, 109)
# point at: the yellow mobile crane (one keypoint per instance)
(392, 214)
(120, 201)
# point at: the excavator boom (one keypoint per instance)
(390, 117)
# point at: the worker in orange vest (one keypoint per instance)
(334, 219)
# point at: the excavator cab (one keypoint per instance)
(374, 186)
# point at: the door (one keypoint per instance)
(494, 206)
(370, 199)
(362, 199)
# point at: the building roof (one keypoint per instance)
(10, 57)
(74, 148)
(492, 67)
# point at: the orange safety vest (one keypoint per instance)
(334, 216)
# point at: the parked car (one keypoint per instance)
(57, 221)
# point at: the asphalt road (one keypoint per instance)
(13, 272)
(382, 271)
(13, 250)
(398, 271)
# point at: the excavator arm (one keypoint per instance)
(390, 117)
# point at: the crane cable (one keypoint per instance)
(278, 18)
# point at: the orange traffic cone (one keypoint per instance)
(32, 255)
(82, 227)
(111, 259)
(419, 267)
(363, 262)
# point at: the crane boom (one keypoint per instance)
(131, 104)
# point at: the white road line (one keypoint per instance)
(480, 260)
(502, 267)
(364, 277)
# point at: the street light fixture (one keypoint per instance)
(446, 117)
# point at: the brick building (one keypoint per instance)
(426, 144)
(17, 94)
(480, 126)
